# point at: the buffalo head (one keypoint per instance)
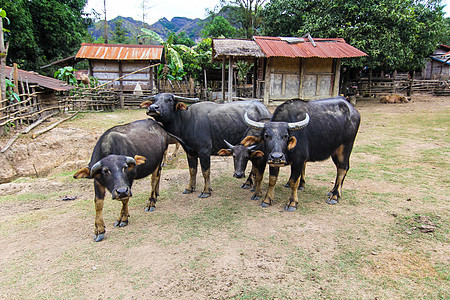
(277, 138)
(241, 155)
(115, 172)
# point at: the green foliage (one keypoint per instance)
(66, 74)
(197, 58)
(219, 27)
(42, 31)
(183, 39)
(120, 33)
(10, 94)
(397, 34)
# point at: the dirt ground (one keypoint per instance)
(217, 248)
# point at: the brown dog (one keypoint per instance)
(394, 99)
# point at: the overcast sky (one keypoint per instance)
(156, 10)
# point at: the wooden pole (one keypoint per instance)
(223, 79)
(16, 79)
(206, 85)
(230, 78)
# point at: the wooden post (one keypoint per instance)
(120, 76)
(255, 75)
(206, 84)
(230, 78)
(16, 79)
(267, 82)
(223, 79)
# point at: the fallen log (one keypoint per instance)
(35, 135)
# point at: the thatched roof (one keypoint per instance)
(224, 48)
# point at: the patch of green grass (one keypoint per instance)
(416, 226)
(260, 292)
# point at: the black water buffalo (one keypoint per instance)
(241, 155)
(124, 153)
(202, 128)
(302, 131)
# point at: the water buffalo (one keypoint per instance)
(241, 155)
(202, 128)
(302, 131)
(124, 153)
(145, 104)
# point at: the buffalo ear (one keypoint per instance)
(139, 160)
(292, 143)
(224, 152)
(181, 106)
(257, 153)
(82, 173)
(250, 140)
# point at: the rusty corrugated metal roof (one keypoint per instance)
(120, 52)
(303, 47)
(41, 80)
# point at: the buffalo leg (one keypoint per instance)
(294, 182)
(249, 182)
(270, 194)
(193, 163)
(302, 183)
(98, 201)
(156, 176)
(341, 159)
(123, 218)
(205, 163)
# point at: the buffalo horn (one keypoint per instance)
(185, 99)
(131, 160)
(95, 168)
(253, 124)
(300, 124)
(252, 147)
(229, 145)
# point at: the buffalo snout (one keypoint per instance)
(277, 158)
(152, 110)
(120, 193)
(239, 175)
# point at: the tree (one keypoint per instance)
(42, 31)
(246, 15)
(397, 34)
(219, 27)
(120, 33)
(183, 39)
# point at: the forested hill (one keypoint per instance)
(163, 27)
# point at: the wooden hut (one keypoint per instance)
(304, 67)
(438, 66)
(117, 64)
(290, 67)
(231, 50)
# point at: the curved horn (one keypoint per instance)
(130, 160)
(184, 99)
(300, 124)
(229, 145)
(253, 124)
(252, 147)
(95, 168)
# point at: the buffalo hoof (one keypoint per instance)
(332, 201)
(290, 208)
(264, 204)
(99, 237)
(204, 195)
(287, 185)
(255, 197)
(301, 188)
(187, 191)
(150, 209)
(120, 223)
(245, 186)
